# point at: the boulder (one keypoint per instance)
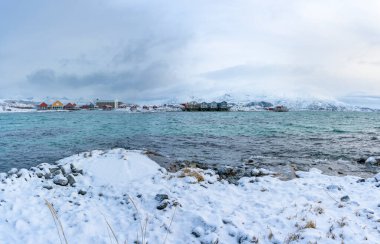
(48, 176)
(66, 169)
(373, 160)
(71, 179)
(82, 192)
(377, 177)
(57, 172)
(60, 180)
(12, 171)
(53, 169)
(75, 169)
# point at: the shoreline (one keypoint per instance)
(126, 188)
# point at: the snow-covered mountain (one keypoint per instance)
(16, 106)
(258, 103)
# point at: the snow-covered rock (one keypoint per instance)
(373, 160)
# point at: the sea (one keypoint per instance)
(337, 142)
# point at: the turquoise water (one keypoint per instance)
(27, 139)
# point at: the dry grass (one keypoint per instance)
(192, 173)
(110, 230)
(270, 235)
(143, 226)
(310, 225)
(319, 210)
(292, 237)
(171, 221)
(342, 222)
(57, 222)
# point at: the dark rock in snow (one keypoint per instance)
(161, 197)
(162, 205)
(39, 174)
(82, 192)
(47, 187)
(345, 199)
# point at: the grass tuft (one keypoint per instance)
(57, 222)
(192, 173)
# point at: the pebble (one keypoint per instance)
(162, 205)
(47, 187)
(161, 197)
(345, 198)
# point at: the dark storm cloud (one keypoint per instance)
(153, 76)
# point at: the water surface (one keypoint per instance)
(27, 139)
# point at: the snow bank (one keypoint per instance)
(132, 193)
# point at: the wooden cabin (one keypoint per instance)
(57, 105)
(223, 106)
(43, 106)
(69, 106)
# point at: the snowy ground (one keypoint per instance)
(126, 193)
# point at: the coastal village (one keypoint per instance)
(108, 105)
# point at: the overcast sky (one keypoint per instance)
(150, 50)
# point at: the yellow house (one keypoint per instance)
(57, 105)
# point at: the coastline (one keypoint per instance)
(126, 189)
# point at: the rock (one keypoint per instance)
(76, 169)
(66, 169)
(60, 180)
(12, 171)
(361, 160)
(39, 174)
(334, 187)
(161, 197)
(373, 160)
(23, 173)
(82, 192)
(162, 205)
(197, 232)
(71, 179)
(345, 198)
(377, 177)
(57, 172)
(48, 176)
(53, 169)
(43, 166)
(49, 187)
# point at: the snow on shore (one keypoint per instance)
(134, 195)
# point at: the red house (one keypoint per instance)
(43, 106)
(69, 106)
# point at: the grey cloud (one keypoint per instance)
(255, 71)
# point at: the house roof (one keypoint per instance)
(57, 104)
(43, 104)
